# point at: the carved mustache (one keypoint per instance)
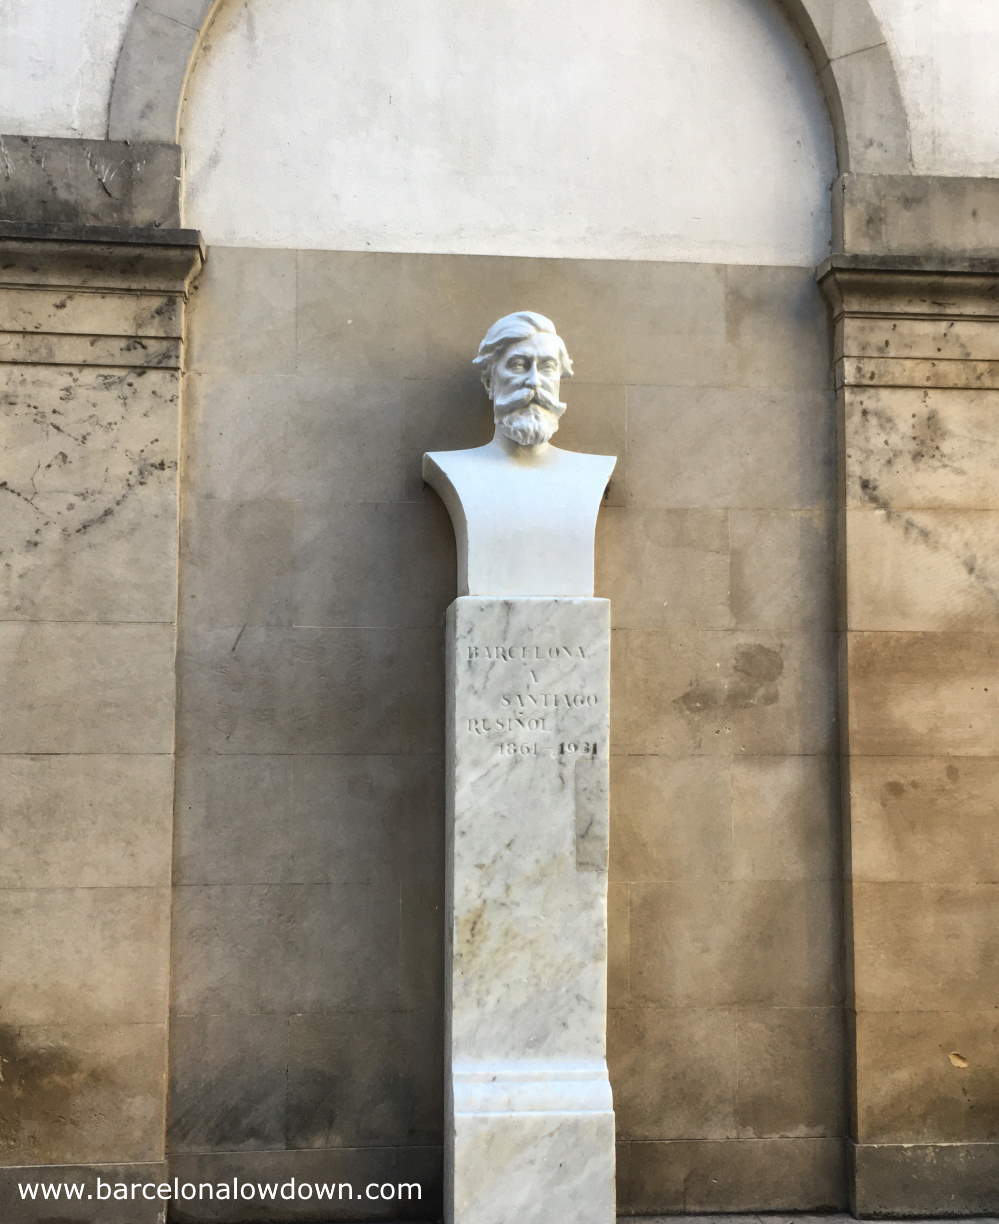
(529, 395)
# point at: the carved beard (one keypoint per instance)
(528, 417)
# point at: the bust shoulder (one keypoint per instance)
(491, 462)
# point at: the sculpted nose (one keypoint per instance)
(531, 377)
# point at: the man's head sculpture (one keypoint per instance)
(521, 360)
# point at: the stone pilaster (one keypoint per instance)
(917, 371)
(91, 324)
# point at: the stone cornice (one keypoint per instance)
(99, 257)
(913, 285)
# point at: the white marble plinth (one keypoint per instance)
(530, 1126)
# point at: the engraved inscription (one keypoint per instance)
(530, 720)
(490, 726)
(565, 701)
(525, 654)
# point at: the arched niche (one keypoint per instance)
(315, 568)
(843, 36)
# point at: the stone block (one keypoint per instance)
(65, 311)
(421, 941)
(281, 948)
(927, 1077)
(346, 1173)
(374, 1080)
(925, 947)
(307, 819)
(111, 352)
(675, 1073)
(670, 428)
(929, 215)
(233, 820)
(274, 690)
(89, 470)
(670, 819)
(785, 818)
(720, 693)
(665, 568)
(310, 690)
(669, 317)
(369, 820)
(96, 955)
(954, 339)
(909, 449)
(112, 557)
(85, 821)
(618, 944)
(927, 820)
(924, 694)
(233, 949)
(344, 440)
(844, 26)
(280, 438)
(192, 13)
(65, 180)
(783, 570)
(917, 373)
(534, 1150)
(372, 563)
(237, 561)
(235, 435)
(76, 687)
(143, 104)
(387, 817)
(776, 328)
(18, 1209)
(865, 85)
(82, 1095)
(228, 1083)
(923, 569)
(56, 417)
(736, 943)
(241, 316)
(670, 321)
(734, 1175)
(903, 1180)
(791, 1073)
(349, 935)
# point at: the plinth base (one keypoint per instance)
(523, 1166)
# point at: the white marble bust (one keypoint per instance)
(524, 511)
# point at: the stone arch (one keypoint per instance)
(844, 37)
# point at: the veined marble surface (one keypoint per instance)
(531, 1124)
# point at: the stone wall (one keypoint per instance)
(89, 379)
(299, 989)
(315, 569)
(918, 358)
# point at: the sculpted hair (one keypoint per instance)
(509, 330)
